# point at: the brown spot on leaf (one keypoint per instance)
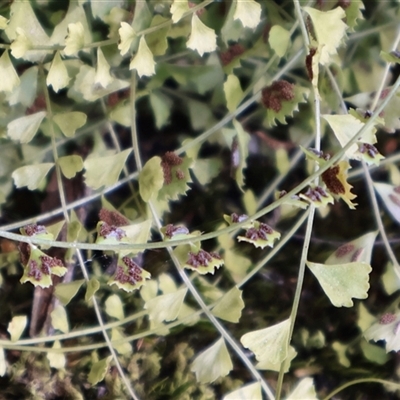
(357, 254)
(233, 51)
(276, 93)
(238, 218)
(331, 180)
(171, 230)
(168, 160)
(309, 58)
(34, 229)
(344, 250)
(387, 318)
(108, 231)
(113, 217)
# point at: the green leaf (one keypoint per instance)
(232, 29)
(59, 319)
(149, 291)
(391, 279)
(389, 119)
(167, 284)
(143, 61)
(202, 38)
(233, 92)
(75, 14)
(100, 9)
(126, 34)
(114, 307)
(279, 39)
(124, 348)
(248, 12)
(374, 353)
(365, 318)
(22, 15)
(201, 117)
(3, 25)
(137, 233)
(342, 282)
(75, 39)
(31, 175)
(391, 57)
(56, 360)
(205, 169)
(212, 363)
(75, 230)
(266, 364)
(390, 196)
(359, 250)
(65, 292)
(165, 307)
(269, 344)
(54, 230)
(121, 114)
(70, 165)
(69, 122)
(58, 76)
(151, 178)
(305, 389)
(92, 287)
(21, 44)
(353, 13)
(102, 76)
(142, 17)
(104, 171)
(23, 129)
(329, 29)
(17, 326)
(25, 93)
(251, 391)
(237, 264)
(345, 127)
(178, 8)
(230, 307)
(85, 85)
(99, 370)
(157, 41)
(161, 106)
(341, 350)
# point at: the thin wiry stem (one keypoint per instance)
(310, 219)
(134, 175)
(378, 219)
(79, 253)
(54, 147)
(224, 333)
(364, 380)
(211, 235)
(217, 324)
(385, 74)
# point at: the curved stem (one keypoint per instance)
(378, 220)
(224, 333)
(357, 381)
(78, 252)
